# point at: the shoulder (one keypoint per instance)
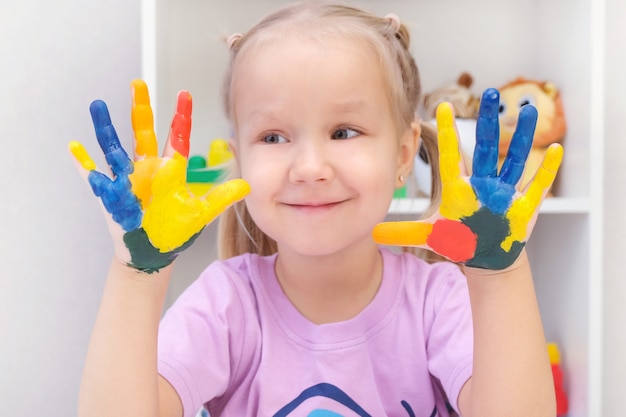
(225, 287)
(211, 334)
(433, 286)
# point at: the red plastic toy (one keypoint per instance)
(557, 373)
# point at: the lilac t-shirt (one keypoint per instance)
(235, 343)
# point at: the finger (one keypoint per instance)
(81, 156)
(180, 131)
(82, 160)
(408, 233)
(485, 160)
(449, 154)
(521, 143)
(167, 175)
(98, 182)
(142, 121)
(544, 178)
(457, 196)
(220, 197)
(524, 210)
(115, 155)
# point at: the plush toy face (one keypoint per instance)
(463, 101)
(550, 123)
(460, 97)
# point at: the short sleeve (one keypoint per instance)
(201, 337)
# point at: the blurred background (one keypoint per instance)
(56, 57)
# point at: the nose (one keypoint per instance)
(312, 162)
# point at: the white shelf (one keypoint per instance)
(553, 205)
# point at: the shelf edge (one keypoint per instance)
(553, 205)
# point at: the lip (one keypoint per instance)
(314, 206)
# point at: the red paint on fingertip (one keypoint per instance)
(181, 124)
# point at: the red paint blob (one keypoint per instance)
(452, 239)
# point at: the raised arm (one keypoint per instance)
(152, 218)
(511, 366)
(483, 223)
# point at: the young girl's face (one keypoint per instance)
(316, 140)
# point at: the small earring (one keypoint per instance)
(401, 178)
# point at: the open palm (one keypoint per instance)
(152, 215)
(483, 220)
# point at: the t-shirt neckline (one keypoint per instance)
(327, 336)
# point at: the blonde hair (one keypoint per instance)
(389, 40)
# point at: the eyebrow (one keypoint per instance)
(350, 106)
(262, 115)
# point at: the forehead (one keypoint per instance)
(327, 68)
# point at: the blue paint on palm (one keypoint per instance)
(493, 194)
(118, 199)
(494, 191)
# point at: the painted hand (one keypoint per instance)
(483, 221)
(151, 214)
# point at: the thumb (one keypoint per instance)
(405, 233)
(81, 158)
(224, 195)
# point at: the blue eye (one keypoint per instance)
(273, 138)
(344, 133)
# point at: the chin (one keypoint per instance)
(325, 245)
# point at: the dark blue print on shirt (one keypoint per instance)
(331, 392)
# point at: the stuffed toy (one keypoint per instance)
(464, 102)
(550, 127)
(465, 105)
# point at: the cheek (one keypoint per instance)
(253, 167)
(264, 179)
(376, 178)
(377, 168)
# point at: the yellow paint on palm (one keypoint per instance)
(522, 210)
(402, 233)
(80, 154)
(141, 179)
(175, 215)
(458, 198)
(143, 120)
(171, 218)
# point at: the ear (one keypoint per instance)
(409, 145)
(232, 146)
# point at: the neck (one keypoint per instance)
(331, 288)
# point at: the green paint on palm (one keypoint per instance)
(491, 230)
(145, 257)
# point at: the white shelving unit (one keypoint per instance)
(496, 41)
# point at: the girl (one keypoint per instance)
(306, 315)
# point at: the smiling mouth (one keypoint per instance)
(314, 206)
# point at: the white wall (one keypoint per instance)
(614, 340)
(56, 57)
